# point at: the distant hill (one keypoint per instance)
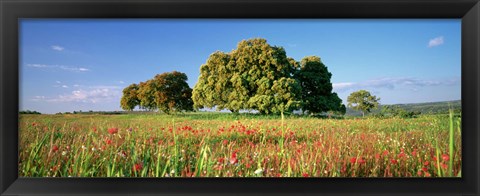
(424, 108)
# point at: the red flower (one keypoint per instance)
(34, 124)
(414, 153)
(419, 173)
(385, 153)
(113, 130)
(54, 148)
(225, 142)
(444, 166)
(425, 169)
(108, 141)
(426, 163)
(353, 160)
(233, 159)
(445, 157)
(305, 175)
(137, 167)
(377, 156)
(361, 161)
(427, 174)
(220, 160)
(394, 161)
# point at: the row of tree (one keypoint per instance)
(168, 92)
(254, 76)
(258, 76)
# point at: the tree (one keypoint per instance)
(363, 101)
(130, 98)
(317, 95)
(168, 92)
(243, 78)
(173, 93)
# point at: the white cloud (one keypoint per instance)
(61, 67)
(58, 48)
(93, 94)
(64, 86)
(391, 83)
(435, 41)
(121, 82)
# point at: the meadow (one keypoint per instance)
(226, 145)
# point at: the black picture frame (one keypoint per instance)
(13, 10)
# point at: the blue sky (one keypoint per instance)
(68, 65)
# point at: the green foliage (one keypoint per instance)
(168, 92)
(130, 98)
(317, 95)
(396, 111)
(258, 76)
(363, 101)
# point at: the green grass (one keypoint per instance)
(244, 145)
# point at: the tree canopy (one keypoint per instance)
(363, 101)
(317, 95)
(258, 76)
(167, 92)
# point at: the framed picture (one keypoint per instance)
(239, 97)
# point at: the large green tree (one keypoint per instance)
(130, 98)
(244, 78)
(363, 101)
(317, 95)
(167, 92)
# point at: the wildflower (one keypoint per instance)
(361, 161)
(385, 152)
(225, 142)
(426, 163)
(233, 159)
(83, 147)
(108, 141)
(113, 130)
(353, 160)
(444, 166)
(64, 153)
(424, 169)
(419, 173)
(305, 175)
(54, 148)
(427, 174)
(258, 171)
(394, 161)
(137, 167)
(445, 157)
(34, 124)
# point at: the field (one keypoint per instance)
(227, 145)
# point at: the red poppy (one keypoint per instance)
(137, 167)
(233, 159)
(394, 161)
(108, 141)
(426, 163)
(425, 169)
(305, 175)
(34, 124)
(445, 157)
(225, 142)
(54, 148)
(361, 161)
(419, 173)
(427, 174)
(353, 160)
(113, 130)
(385, 153)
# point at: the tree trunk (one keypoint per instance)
(363, 114)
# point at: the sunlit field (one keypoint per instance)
(227, 145)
